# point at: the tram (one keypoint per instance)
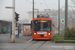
(43, 28)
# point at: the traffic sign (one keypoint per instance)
(62, 21)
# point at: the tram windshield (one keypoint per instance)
(44, 25)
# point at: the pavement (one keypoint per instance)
(26, 43)
(5, 38)
(38, 45)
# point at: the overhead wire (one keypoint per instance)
(28, 1)
(39, 3)
(34, 2)
(46, 4)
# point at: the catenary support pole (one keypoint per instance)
(58, 16)
(33, 8)
(66, 14)
(13, 23)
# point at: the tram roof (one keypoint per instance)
(42, 19)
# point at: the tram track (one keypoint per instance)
(35, 43)
(40, 45)
(30, 45)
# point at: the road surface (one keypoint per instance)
(26, 43)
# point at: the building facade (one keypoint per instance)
(5, 24)
(53, 14)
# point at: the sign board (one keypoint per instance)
(62, 21)
(16, 28)
(27, 30)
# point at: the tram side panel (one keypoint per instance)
(53, 30)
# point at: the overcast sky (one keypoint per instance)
(23, 6)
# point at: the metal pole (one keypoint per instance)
(13, 23)
(66, 14)
(33, 8)
(58, 16)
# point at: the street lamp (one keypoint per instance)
(9, 7)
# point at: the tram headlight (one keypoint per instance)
(49, 33)
(34, 33)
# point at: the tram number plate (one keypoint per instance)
(45, 35)
(41, 32)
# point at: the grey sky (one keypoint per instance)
(22, 7)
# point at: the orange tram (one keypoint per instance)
(43, 28)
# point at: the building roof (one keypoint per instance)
(5, 20)
(23, 21)
(51, 11)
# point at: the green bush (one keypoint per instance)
(70, 33)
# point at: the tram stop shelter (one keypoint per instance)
(26, 29)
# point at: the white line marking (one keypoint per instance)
(29, 41)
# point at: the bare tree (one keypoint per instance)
(73, 1)
(71, 14)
